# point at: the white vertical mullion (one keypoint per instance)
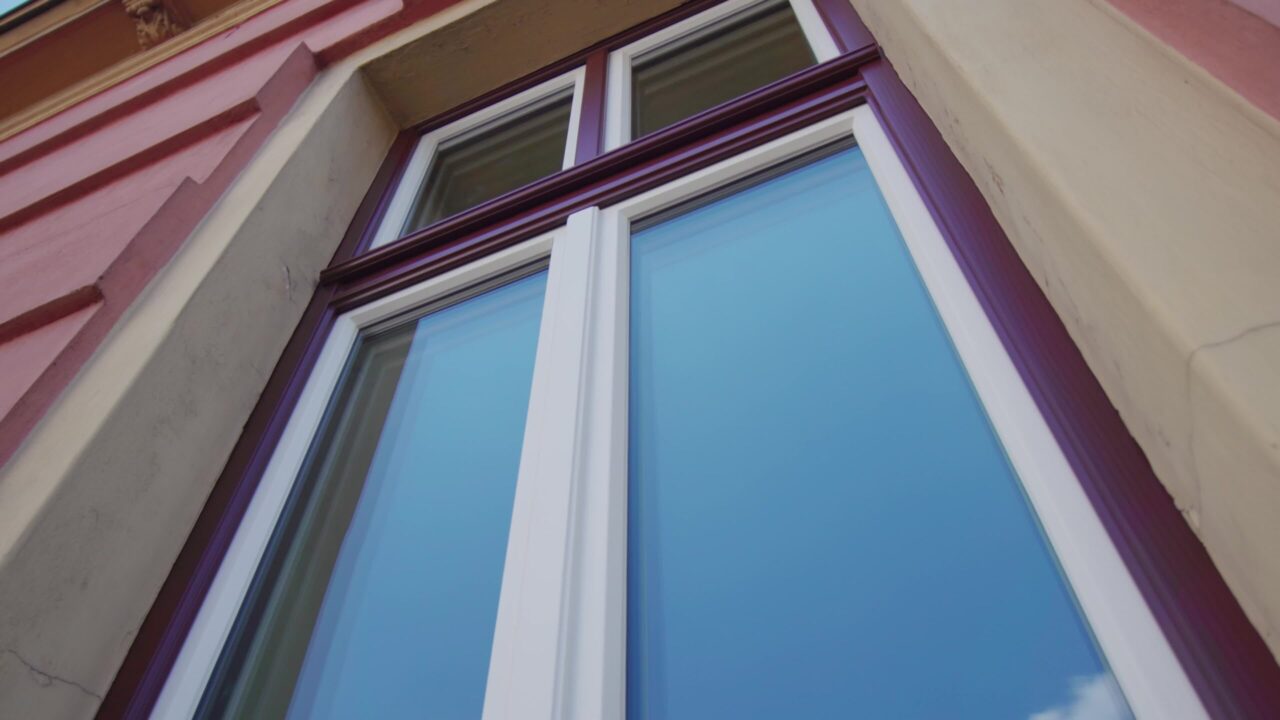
(526, 662)
(596, 642)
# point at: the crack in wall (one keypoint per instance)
(45, 679)
(1191, 413)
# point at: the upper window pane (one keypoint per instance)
(720, 62)
(494, 159)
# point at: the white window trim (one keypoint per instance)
(617, 131)
(209, 632)
(415, 173)
(588, 647)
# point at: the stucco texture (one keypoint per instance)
(1144, 196)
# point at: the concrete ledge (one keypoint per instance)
(1144, 196)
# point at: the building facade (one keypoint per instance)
(726, 358)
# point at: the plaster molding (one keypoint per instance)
(112, 76)
(156, 20)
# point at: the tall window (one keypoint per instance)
(738, 441)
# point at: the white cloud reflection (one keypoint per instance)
(1092, 698)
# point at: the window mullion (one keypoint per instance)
(593, 687)
(528, 658)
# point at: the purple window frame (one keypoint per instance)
(1225, 658)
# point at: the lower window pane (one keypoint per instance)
(379, 593)
(822, 522)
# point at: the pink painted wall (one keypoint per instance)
(94, 201)
(1238, 47)
(1268, 10)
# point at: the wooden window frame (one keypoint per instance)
(1226, 661)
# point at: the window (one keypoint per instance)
(738, 443)
(691, 66)
(505, 146)
(714, 64)
(483, 164)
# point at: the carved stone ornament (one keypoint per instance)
(155, 21)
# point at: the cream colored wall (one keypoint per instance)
(1144, 196)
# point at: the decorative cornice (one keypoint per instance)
(114, 75)
(156, 20)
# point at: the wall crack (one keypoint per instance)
(1191, 413)
(45, 679)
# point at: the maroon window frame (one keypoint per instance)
(1225, 658)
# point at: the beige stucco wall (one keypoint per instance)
(1144, 196)
(96, 505)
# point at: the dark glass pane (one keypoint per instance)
(717, 64)
(822, 522)
(379, 593)
(488, 162)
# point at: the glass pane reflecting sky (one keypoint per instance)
(381, 598)
(822, 521)
(7, 5)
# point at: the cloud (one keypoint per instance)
(1093, 698)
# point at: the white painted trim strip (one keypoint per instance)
(525, 667)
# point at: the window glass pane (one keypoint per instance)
(719, 63)
(488, 162)
(822, 522)
(380, 591)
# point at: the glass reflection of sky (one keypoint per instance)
(822, 521)
(408, 618)
(8, 5)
